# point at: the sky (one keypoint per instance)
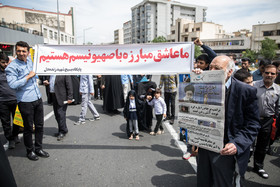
(99, 19)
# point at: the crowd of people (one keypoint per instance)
(251, 109)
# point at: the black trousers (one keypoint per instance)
(49, 96)
(159, 123)
(97, 87)
(214, 169)
(6, 109)
(262, 142)
(169, 98)
(32, 113)
(60, 115)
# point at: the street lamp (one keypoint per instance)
(84, 36)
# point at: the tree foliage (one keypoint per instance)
(159, 39)
(252, 55)
(268, 50)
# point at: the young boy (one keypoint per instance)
(160, 110)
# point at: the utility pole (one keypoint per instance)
(58, 25)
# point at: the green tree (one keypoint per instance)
(197, 51)
(251, 54)
(268, 50)
(159, 39)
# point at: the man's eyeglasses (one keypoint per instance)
(267, 73)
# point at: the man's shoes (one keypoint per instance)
(91, 119)
(56, 134)
(262, 173)
(171, 121)
(12, 144)
(94, 118)
(42, 153)
(17, 140)
(79, 123)
(60, 136)
(32, 156)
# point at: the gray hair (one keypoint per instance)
(230, 66)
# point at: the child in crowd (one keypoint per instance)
(160, 110)
(183, 134)
(130, 112)
(86, 90)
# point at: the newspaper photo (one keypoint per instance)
(201, 108)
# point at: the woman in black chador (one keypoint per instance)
(113, 98)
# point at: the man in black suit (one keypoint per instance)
(241, 129)
(62, 91)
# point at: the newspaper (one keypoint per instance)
(201, 108)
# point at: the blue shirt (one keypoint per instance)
(52, 81)
(126, 78)
(257, 75)
(26, 91)
(86, 84)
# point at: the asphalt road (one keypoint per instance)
(99, 154)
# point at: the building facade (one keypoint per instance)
(153, 18)
(262, 31)
(127, 38)
(118, 36)
(40, 22)
(186, 30)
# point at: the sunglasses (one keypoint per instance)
(267, 73)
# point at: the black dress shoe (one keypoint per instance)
(32, 156)
(42, 153)
(56, 134)
(60, 136)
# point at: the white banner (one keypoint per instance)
(201, 108)
(161, 58)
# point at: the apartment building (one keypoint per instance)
(153, 18)
(118, 36)
(40, 22)
(127, 38)
(262, 31)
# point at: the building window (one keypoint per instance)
(268, 33)
(197, 29)
(192, 29)
(61, 36)
(186, 30)
(55, 35)
(45, 32)
(51, 34)
(172, 32)
(186, 39)
(278, 32)
(193, 39)
(65, 38)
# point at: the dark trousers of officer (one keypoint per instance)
(60, 115)
(214, 169)
(32, 113)
(170, 98)
(6, 109)
(262, 142)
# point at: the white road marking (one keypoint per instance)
(181, 144)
